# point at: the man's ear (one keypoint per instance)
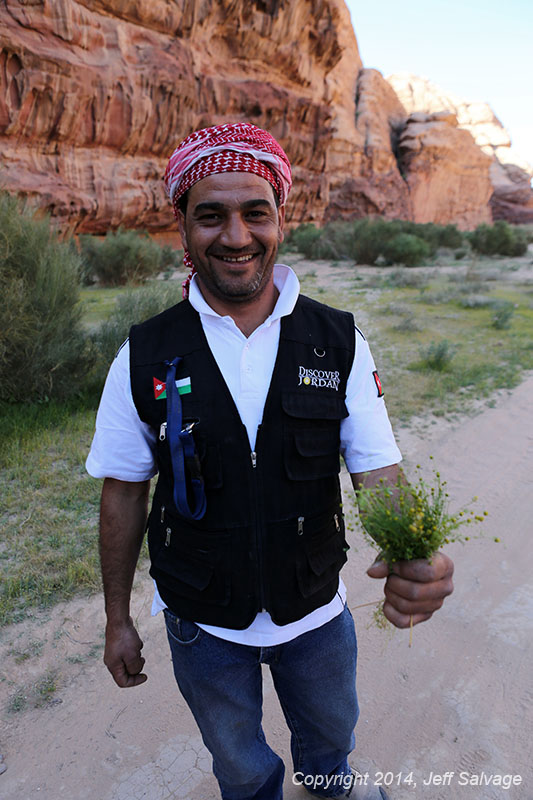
(281, 223)
(181, 228)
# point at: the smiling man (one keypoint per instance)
(242, 397)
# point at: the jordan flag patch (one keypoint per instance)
(379, 387)
(160, 388)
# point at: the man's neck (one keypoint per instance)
(247, 316)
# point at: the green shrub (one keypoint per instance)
(429, 232)
(43, 351)
(499, 239)
(132, 307)
(476, 301)
(408, 325)
(502, 316)
(370, 236)
(437, 355)
(406, 249)
(365, 240)
(124, 257)
(403, 278)
(304, 239)
(450, 236)
(527, 230)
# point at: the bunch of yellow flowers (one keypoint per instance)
(411, 520)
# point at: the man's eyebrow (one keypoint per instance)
(209, 206)
(217, 206)
(261, 201)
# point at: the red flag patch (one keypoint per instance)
(379, 387)
(160, 389)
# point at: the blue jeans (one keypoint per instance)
(314, 677)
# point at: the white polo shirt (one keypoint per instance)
(123, 446)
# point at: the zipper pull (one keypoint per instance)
(162, 514)
(253, 456)
(163, 432)
(336, 518)
(300, 525)
(167, 539)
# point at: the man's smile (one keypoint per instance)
(237, 259)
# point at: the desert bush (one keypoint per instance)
(476, 301)
(437, 355)
(123, 257)
(502, 315)
(403, 278)
(366, 240)
(434, 235)
(527, 230)
(408, 325)
(450, 236)
(407, 249)
(498, 239)
(303, 239)
(43, 350)
(400, 309)
(370, 237)
(132, 307)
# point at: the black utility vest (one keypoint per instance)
(273, 534)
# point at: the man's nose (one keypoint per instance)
(235, 233)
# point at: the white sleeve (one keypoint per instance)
(123, 446)
(367, 440)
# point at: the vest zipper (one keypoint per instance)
(167, 538)
(259, 522)
(163, 432)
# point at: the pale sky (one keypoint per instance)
(480, 51)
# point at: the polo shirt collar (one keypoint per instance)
(285, 281)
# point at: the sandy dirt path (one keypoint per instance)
(459, 701)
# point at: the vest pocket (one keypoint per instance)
(312, 435)
(324, 553)
(192, 563)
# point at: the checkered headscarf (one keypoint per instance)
(237, 147)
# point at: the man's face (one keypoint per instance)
(232, 229)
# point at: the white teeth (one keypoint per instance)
(237, 259)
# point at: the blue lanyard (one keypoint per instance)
(182, 451)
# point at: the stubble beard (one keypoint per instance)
(239, 290)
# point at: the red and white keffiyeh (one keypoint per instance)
(237, 147)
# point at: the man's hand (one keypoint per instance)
(414, 588)
(122, 655)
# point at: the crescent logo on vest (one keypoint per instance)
(160, 388)
(320, 378)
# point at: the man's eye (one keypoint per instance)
(209, 217)
(256, 214)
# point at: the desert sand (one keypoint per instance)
(458, 701)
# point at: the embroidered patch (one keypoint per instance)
(379, 387)
(184, 385)
(160, 388)
(321, 378)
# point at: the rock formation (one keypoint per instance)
(510, 174)
(95, 94)
(432, 144)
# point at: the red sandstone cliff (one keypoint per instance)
(95, 94)
(510, 175)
